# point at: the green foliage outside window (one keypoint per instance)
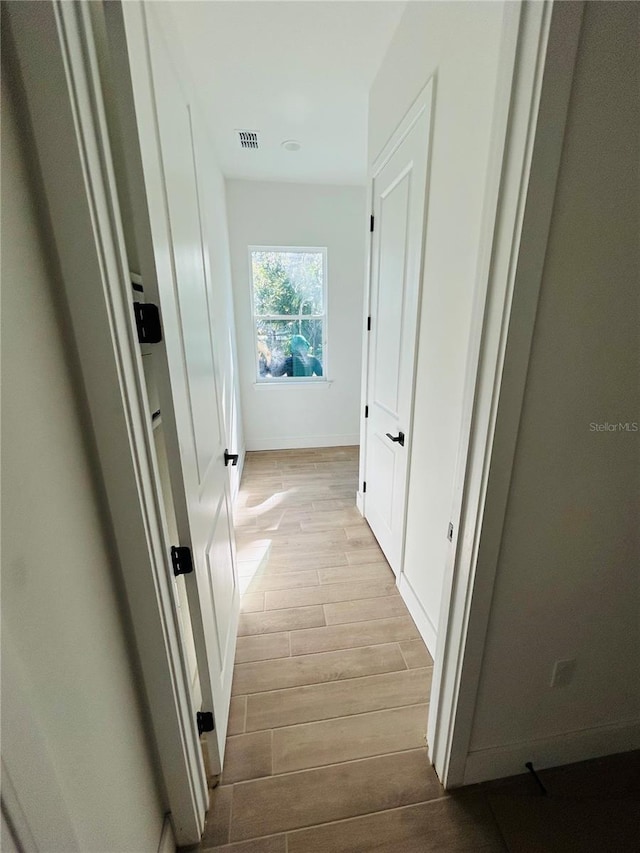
(287, 282)
(288, 295)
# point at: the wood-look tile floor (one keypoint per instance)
(326, 744)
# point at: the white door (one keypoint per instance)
(399, 190)
(187, 378)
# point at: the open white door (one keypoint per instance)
(176, 272)
(399, 188)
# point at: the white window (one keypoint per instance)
(289, 303)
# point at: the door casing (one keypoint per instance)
(537, 58)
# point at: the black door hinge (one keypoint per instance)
(450, 532)
(230, 457)
(368, 324)
(366, 411)
(205, 723)
(181, 560)
(371, 223)
(147, 322)
(364, 487)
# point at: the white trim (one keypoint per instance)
(419, 615)
(452, 632)
(293, 382)
(533, 88)
(295, 442)
(565, 748)
(293, 250)
(423, 101)
(364, 375)
(54, 42)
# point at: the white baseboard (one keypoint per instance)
(500, 761)
(360, 503)
(301, 441)
(418, 614)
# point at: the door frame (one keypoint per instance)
(54, 40)
(535, 71)
(538, 57)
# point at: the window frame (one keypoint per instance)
(286, 381)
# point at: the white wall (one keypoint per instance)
(274, 214)
(567, 583)
(458, 43)
(63, 627)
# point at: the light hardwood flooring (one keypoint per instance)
(326, 743)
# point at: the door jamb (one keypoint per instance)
(539, 48)
(77, 171)
(533, 86)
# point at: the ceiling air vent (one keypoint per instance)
(248, 138)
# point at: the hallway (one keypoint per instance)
(326, 747)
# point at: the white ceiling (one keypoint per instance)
(291, 70)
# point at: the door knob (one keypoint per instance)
(230, 457)
(399, 438)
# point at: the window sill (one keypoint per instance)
(294, 383)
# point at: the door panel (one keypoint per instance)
(191, 284)
(213, 215)
(389, 304)
(220, 580)
(383, 462)
(399, 203)
(189, 387)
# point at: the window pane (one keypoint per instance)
(289, 348)
(287, 282)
